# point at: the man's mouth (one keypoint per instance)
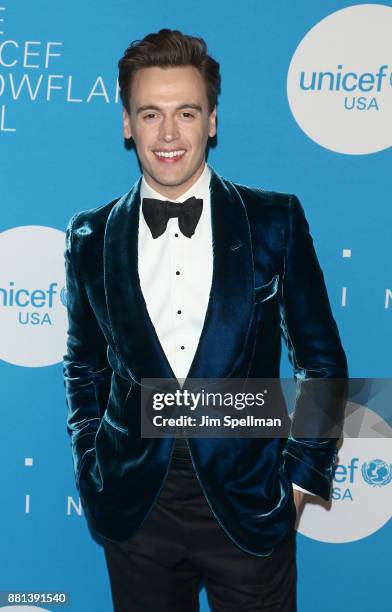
(170, 156)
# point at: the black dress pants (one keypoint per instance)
(181, 548)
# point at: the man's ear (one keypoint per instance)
(126, 125)
(212, 123)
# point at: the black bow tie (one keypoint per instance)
(158, 212)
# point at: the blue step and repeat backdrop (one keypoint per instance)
(306, 108)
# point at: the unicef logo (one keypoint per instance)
(377, 473)
(33, 317)
(339, 83)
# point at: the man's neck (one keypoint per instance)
(176, 191)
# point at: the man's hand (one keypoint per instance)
(298, 499)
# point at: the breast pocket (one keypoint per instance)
(267, 291)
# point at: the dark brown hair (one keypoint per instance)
(168, 48)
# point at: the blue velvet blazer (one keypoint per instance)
(267, 283)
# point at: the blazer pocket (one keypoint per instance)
(267, 291)
(114, 424)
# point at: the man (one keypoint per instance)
(191, 276)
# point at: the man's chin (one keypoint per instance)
(170, 178)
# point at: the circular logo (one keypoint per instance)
(339, 83)
(362, 488)
(377, 472)
(33, 317)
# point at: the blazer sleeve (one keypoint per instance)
(318, 359)
(85, 368)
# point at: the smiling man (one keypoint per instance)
(170, 120)
(190, 275)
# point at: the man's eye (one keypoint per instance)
(188, 115)
(149, 116)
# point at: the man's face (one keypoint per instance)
(170, 123)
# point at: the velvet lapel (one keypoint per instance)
(231, 301)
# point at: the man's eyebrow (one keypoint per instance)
(147, 107)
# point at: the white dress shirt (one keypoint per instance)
(175, 277)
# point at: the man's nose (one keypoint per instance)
(169, 129)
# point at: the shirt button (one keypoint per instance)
(176, 235)
(183, 347)
(177, 272)
(179, 311)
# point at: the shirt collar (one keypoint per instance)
(198, 189)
